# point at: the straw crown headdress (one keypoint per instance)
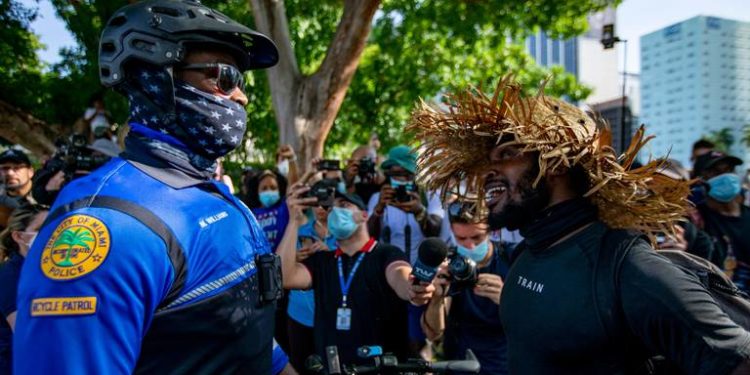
(456, 139)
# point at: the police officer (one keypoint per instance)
(147, 265)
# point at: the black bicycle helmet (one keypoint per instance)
(158, 31)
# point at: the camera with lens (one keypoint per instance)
(325, 191)
(77, 158)
(74, 158)
(402, 194)
(462, 272)
(329, 165)
(366, 168)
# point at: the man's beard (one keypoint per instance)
(519, 213)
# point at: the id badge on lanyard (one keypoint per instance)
(343, 319)
(344, 313)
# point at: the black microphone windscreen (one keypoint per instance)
(314, 364)
(432, 251)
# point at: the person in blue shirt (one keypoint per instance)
(266, 192)
(312, 237)
(147, 264)
(15, 240)
(465, 315)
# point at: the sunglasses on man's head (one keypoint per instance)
(227, 76)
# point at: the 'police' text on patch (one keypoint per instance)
(63, 306)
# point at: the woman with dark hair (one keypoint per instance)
(15, 241)
(265, 198)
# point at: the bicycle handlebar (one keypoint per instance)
(389, 365)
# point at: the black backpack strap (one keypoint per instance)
(615, 245)
(147, 218)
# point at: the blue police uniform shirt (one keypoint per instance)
(302, 302)
(92, 286)
(474, 322)
(279, 359)
(273, 220)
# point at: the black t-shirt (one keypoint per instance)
(727, 230)
(378, 315)
(550, 318)
(10, 271)
(473, 322)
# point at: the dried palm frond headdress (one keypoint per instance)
(458, 136)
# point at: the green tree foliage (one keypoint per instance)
(20, 69)
(722, 138)
(417, 49)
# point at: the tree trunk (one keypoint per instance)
(306, 107)
(22, 128)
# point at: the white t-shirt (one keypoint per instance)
(397, 219)
(98, 121)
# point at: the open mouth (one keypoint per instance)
(494, 192)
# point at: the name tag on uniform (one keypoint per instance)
(343, 318)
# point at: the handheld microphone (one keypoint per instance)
(432, 252)
(369, 351)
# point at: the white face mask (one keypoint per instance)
(283, 167)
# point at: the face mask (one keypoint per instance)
(33, 237)
(31, 240)
(396, 183)
(477, 254)
(341, 187)
(283, 167)
(724, 187)
(341, 223)
(269, 198)
(208, 125)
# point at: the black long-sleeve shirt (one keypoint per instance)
(550, 317)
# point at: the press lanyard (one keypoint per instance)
(345, 285)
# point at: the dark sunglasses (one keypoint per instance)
(227, 77)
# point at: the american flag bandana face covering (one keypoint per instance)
(207, 124)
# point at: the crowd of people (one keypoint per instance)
(143, 259)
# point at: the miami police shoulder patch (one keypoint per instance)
(77, 247)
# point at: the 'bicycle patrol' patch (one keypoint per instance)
(78, 246)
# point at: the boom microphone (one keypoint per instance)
(432, 252)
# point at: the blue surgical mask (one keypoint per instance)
(341, 223)
(341, 187)
(396, 183)
(477, 254)
(724, 187)
(269, 198)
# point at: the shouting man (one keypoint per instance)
(549, 171)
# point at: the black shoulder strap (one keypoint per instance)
(615, 245)
(149, 219)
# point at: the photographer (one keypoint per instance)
(73, 159)
(360, 175)
(463, 309)
(401, 214)
(312, 237)
(360, 288)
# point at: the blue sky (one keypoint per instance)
(635, 18)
